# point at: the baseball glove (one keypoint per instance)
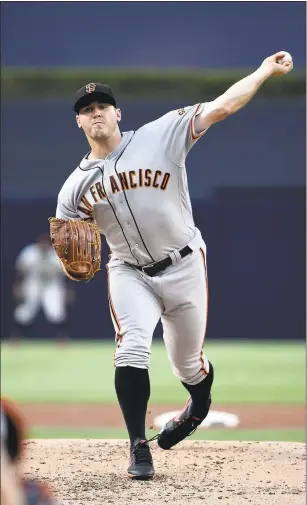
(78, 245)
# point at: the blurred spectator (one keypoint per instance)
(11, 493)
(40, 283)
(15, 489)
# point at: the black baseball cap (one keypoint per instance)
(93, 92)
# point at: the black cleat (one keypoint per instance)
(180, 427)
(186, 422)
(141, 465)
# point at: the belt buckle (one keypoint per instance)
(147, 267)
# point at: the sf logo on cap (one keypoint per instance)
(90, 88)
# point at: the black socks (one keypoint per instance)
(200, 393)
(133, 390)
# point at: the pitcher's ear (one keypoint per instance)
(118, 114)
(78, 121)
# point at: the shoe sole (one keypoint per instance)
(168, 447)
(140, 477)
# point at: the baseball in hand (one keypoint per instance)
(286, 58)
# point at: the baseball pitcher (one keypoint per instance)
(132, 187)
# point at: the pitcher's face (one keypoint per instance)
(98, 120)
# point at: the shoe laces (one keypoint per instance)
(144, 443)
(141, 451)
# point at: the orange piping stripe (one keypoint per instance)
(206, 310)
(195, 136)
(119, 337)
(118, 333)
(181, 412)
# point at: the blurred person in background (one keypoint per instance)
(11, 493)
(15, 488)
(40, 283)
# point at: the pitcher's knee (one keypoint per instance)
(192, 373)
(138, 357)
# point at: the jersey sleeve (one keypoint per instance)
(64, 212)
(178, 133)
(65, 206)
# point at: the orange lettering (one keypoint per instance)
(93, 193)
(87, 204)
(100, 191)
(114, 186)
(154, 184)
(123, 181)
(147, 177)
(132, 184)
(165, 181)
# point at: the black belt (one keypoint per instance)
(154, 268)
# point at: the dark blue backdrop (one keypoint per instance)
(160, 34)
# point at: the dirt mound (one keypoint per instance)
(92, 472)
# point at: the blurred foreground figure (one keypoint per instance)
(15, 489)
(40, 283)
(11, 491)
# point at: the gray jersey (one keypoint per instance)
(139, 194)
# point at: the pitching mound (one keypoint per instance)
(92, 472)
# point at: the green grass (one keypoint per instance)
(294, 435)
(245, 372)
